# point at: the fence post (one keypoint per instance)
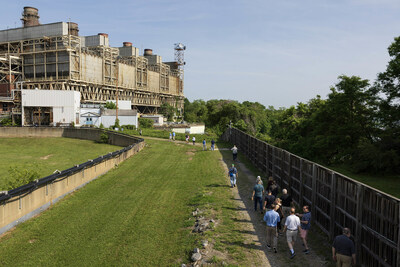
(333, 206)
(314, 189)
(301, 189)
(360, 200)
(267, 159)
(398, 240)
(290, 173)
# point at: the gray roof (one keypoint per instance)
(121, 112)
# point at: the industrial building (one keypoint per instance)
(54, 57)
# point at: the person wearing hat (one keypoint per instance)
(257, 196)
(233, 174)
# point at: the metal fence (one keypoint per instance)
(336, 201)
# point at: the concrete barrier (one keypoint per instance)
(22, 203)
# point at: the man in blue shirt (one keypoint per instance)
(343, 251)
(305, 225)
(233, 174)
(272, 218)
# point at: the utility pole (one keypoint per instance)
(116, 86)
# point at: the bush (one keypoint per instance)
(6, 122)
(20, 177)
(129, 127)
(104, 138)
(110, 105)
(145, 123)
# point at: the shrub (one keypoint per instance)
(19, 177)
(110, 105)
(129, 127)
(146, 123)
(104, 138)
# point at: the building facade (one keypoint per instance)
(54, 57)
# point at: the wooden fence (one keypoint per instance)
(336, 201)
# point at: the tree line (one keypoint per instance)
(358, 124)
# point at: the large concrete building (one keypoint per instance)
(54, 57)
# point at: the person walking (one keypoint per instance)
(278, 202)
(269, 201)
(194, 140)
(258, 192)
(204, 144)
(170, 136)
(343, 250)
(271, 218)
(305, 225)
(287, 204)
(173, 135)
(212, 145)
(187, 138)
(234, 152)
(292, 227)
(233, 174)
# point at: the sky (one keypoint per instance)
(277, 53)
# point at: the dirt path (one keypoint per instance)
(255, 227)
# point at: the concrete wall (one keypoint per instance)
(154, 81)
(22, 207)
(123, 120)
(92, 68)
(127, 75)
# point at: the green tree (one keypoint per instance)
(110, 105)
(145, 123)
(168, 111)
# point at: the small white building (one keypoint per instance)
(190, 129)
(90, 115)
(50, 107)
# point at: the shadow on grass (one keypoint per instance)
(241, 220)
(244, 187)
(236, 209)
(240, 244)
(217, 185)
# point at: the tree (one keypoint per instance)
(110, 105)
(168, 111)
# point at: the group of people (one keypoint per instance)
(281, 212)
(205, 144)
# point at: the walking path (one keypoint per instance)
(254, 229)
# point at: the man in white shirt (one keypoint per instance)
(292, 227)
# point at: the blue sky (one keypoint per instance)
(275, 52)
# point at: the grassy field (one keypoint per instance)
(387, 183)
(45, 155)
(139, 214)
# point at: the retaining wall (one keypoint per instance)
(22, 203)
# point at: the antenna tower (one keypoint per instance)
(180, 58)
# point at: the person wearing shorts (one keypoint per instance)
(305, 225)
(292, 227)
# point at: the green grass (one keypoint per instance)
(138, 214)
(387, 183)
(45, 155)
